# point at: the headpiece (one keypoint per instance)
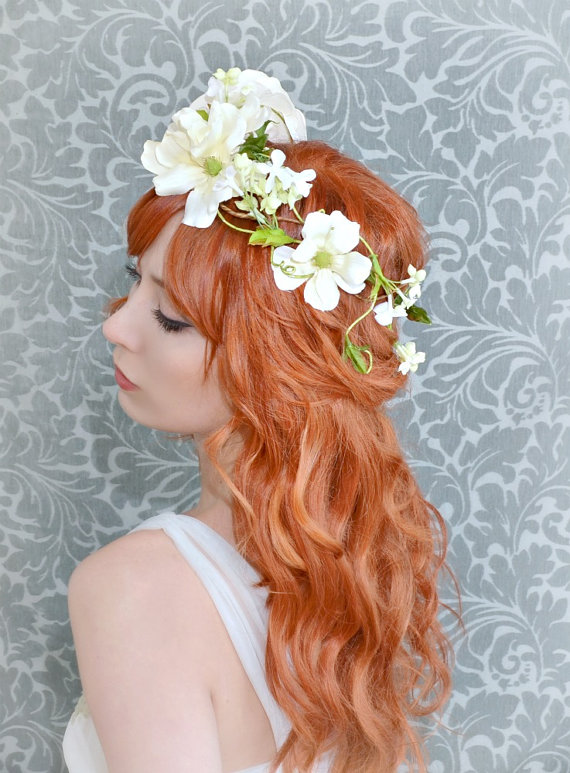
(216, 149)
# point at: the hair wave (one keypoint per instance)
(325, 506)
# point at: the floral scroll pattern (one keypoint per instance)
(464, 108)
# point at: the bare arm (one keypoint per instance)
(146, 634)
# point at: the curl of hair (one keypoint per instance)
(324, 505)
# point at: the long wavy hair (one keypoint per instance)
(324, 505)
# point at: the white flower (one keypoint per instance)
(196, 155)
(249, 176)
(282, 185)
(416, 278)
(276, 172)
(325, 258)
(409, 358)
(259, 98)
(386, 311)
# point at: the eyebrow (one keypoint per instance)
(157, 281)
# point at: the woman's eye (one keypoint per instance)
(167, 324)
(170, 325)
(132, 272)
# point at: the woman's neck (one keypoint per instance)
(214, 506)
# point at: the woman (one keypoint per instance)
(289, 619)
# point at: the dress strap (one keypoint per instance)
(229, 579)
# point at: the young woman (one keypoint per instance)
(288, 621)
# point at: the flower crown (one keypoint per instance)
(216, 150)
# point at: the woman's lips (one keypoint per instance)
(123, 381)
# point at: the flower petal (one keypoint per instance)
(171, 150)
(277, 157)
(283, 253)
(180, 179)
(226, 132)
(348, 288)
(386, 311)
(321, 290)
(316, 228)
(343, 235)
(191, 123)
(306, 251)
(285, 281)
(301, 181)
(353, 269)
(275, 103)
(149, 159)
(383, 313)
(404, 367)
(202, 206)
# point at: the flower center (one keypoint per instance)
(212, 166)
(323, 259)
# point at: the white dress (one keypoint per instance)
(229, 580)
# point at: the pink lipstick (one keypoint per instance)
(123, 381)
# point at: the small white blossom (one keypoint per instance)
(277, 173)
(249, 176)
(292, 196)
(386, 311)
(325, 258)
(417, 276)
(409, 358)
(271, 202)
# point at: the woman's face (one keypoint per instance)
(159, 357)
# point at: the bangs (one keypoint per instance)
(206, 270)
(147, 219)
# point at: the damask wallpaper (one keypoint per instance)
(462, 106)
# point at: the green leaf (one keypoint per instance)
(203, 114)
(417, 314)
(254, 145)
(270, 237)
(363, 364)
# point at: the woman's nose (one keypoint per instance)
(120, 329)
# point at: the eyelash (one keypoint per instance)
(132, 272)
(167, 324)
(170, 325)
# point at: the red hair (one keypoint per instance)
(325, 506)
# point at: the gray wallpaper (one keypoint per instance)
(463, 107)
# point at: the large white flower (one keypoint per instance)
(259, 98)
(325, 258)
(196, 155)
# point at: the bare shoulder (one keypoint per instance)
(138, 582)
(148, 638)
(142, 563)
(129, 554)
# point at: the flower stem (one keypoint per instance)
(297, 215)
(368, 247)
(231, 225)
(359, 319)
(235, 213)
